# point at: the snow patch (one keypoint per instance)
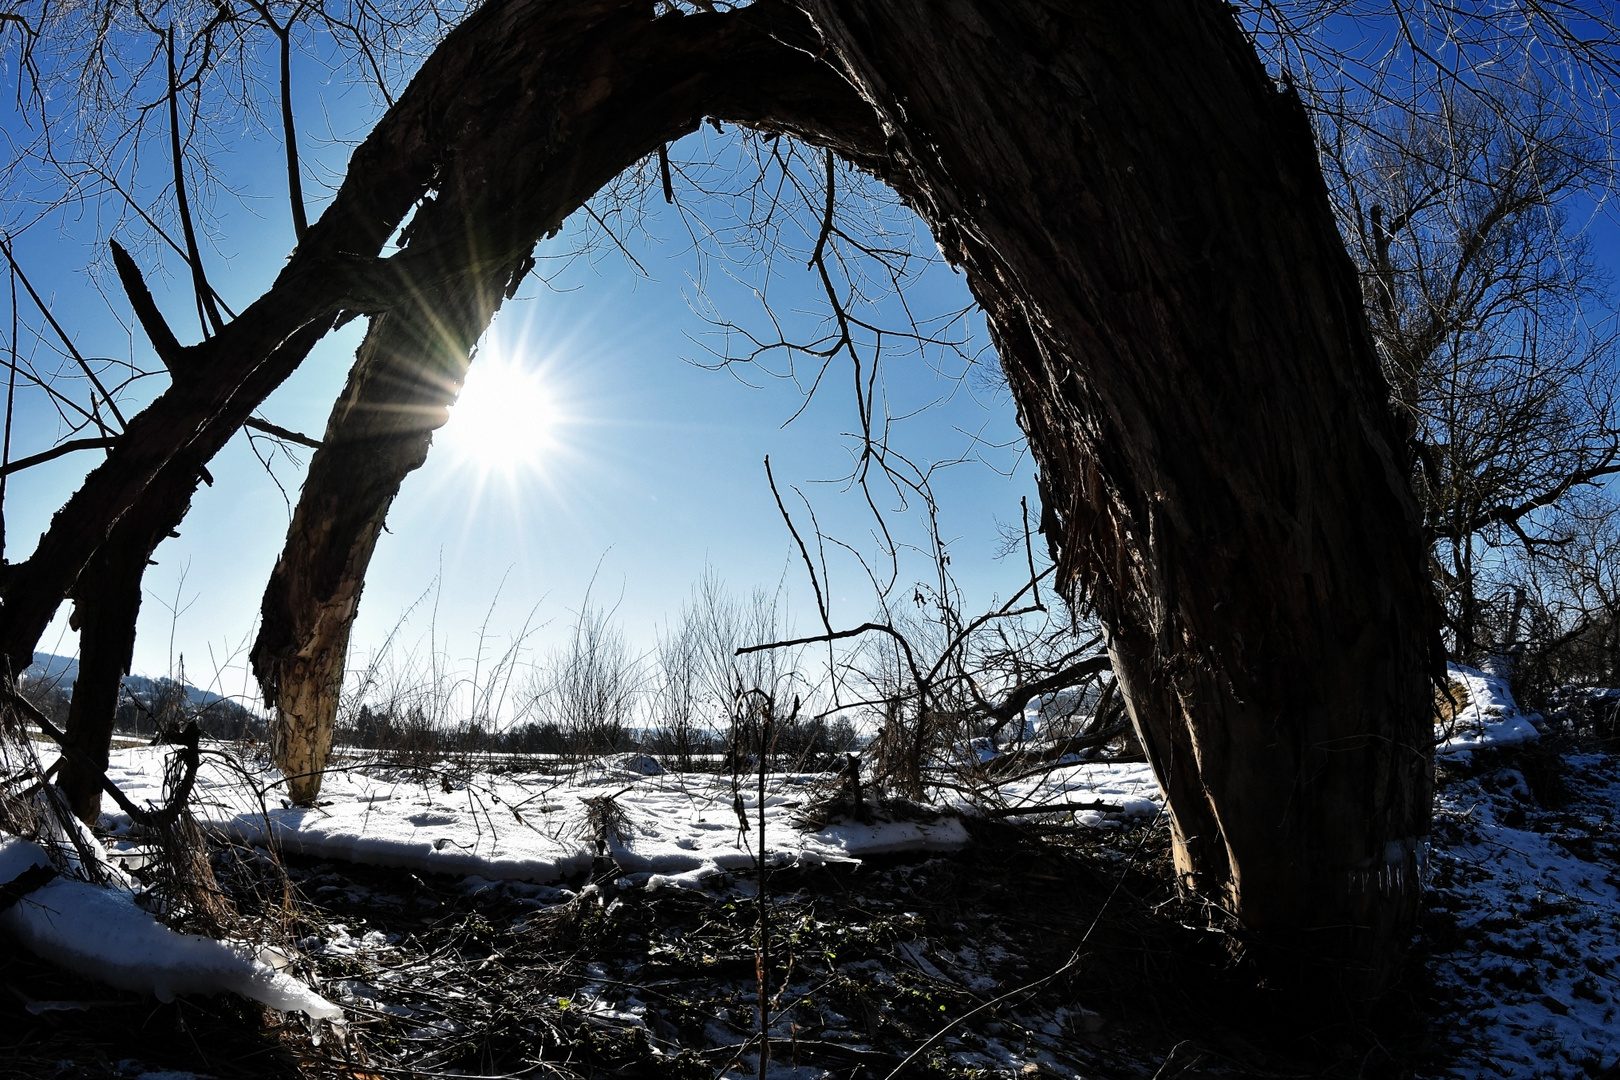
(1490, 717)
(679, 830)
(1525, 904)
(100, 932)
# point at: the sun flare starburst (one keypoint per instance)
(507, 417)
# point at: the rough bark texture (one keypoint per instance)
(106, 604)
(409, 366)
(1140, 211)
(107, 591)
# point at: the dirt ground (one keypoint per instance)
(1036, 951)
(908, 961)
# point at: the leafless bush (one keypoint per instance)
(953, 697)
(20, 774)
(677, 699)
(397, 735)
(1560, 614)
(605, 822)
(591, 687)
(700, 676)
(421, 708)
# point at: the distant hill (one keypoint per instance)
(63, 672)
(141, 696)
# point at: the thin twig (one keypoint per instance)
(73, 350)
(1054, 808)
(815, 583)
(11, 399)
(60, 450)
(827, 214)
(1068, 965)
(207, 312)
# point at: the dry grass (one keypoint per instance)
(1450, 702)
(605, 821)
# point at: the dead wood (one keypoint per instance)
(495, 197)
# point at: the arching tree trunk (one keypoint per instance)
(409, 368)
(615, 84)
(1140, 211)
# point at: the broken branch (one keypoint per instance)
(167, 346)
(280, 432)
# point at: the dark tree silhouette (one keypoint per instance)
(1139, 210)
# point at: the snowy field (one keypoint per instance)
(1524, 915)
(1522, 939)
(673, 830)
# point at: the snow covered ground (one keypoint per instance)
(671, 829)
(664, 830)
(1486, 714)
(1523, 939)
(1524, 916)
(100, 930)
(677, 828)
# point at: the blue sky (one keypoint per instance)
(650, 471)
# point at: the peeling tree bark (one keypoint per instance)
(410, 365)
(614, 86)
(1141, 213)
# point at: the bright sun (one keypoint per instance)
(506, 417)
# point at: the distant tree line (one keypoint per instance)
(412, 737)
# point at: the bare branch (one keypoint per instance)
(59, 450)
(67, 342)
(207, 312)
(286, 434)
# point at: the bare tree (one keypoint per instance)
(1493, 328)
(124, 101)
(677, 706)
(1562, 616)
(591, 686)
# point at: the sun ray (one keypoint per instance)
(507, 420)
